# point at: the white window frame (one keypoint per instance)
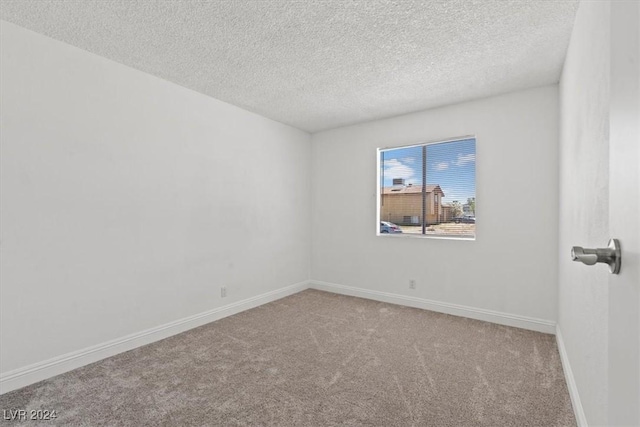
(379, 185)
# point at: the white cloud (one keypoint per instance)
(463, 159)
(394, 168)
(409, 160)
(442, 166)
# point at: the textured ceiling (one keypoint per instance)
(324, 64)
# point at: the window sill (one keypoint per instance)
(425, 236)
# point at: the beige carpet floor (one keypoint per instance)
(319, 359)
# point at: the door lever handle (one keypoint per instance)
(610, 255)
(586, 256)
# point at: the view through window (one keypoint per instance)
(429, 189)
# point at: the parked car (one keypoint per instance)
(467, 219)
(389, 227)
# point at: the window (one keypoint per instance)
(428, 189)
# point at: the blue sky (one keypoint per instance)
(452, 165)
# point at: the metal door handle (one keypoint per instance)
(610, 255)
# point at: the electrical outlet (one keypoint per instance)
(223, 291)
(412, 284)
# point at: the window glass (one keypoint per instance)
(429, 189)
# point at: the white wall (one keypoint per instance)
(584, 204)
(127, 201)
(512, 265)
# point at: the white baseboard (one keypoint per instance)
(578, 410)
(540, 325)
(22, 377)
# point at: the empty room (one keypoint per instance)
(320, 213)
